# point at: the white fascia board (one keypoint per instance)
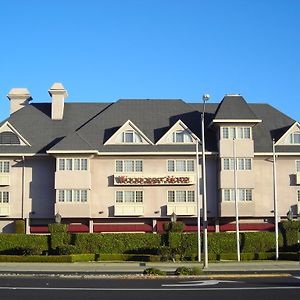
(277, 153)
(181, 123)
(236, 121)
(14, 130)
(287, 133)
(22, 154)
(71, 151)
(131, 124)
(153, 153)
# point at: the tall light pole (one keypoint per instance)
(275, 201)
(236, 204)
(205, 98)
(198, 202)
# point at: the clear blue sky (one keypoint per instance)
(103, 50)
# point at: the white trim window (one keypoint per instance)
(242, 164)
(298, 196)
(131, 137)
(181, 196)
(181, 165)
(129, 166)
(243, 195)
(295, 138)
(297, 166)
(182, 136)
(4, 166)
(4, 197)
(236, 132)
(228, 164)
(72, 196)
(129, 196)
(70, 164)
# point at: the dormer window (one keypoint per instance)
(236, 132)
(295, 138)
(182, 136)
(130, 136)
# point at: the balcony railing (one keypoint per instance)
(4, 210)
(128, 209)
(182, 209)
(4, 180)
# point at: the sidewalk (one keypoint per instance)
(138, 268)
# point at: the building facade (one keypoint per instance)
(128, 166)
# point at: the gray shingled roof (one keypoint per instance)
(234, 108)
(87, 126)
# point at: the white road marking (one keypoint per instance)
(150, 289)
(199, 283)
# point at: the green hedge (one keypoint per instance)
(59, 235)
(128, 257)
(20, 226)
(290, 231)
(117, 242)
(10, 242)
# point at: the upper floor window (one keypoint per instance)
(4, 166)
(72, 196)
(69, 164)
(182, 136)
(295, 138)
(298, 195)
(9, 138)
(181, 196)
(298, 166)
(129, 166)
(181, 165)
(236, 132)
(4, 197)
(129, 196)
(242, 164)
(242, 195)
(130, 137)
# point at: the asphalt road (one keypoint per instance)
(45, 288)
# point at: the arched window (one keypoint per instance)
(9, 138)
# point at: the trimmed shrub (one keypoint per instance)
(66, 250)
(290, 231)
(154, 272)
(127, 257)
(116, 242)
(173, 227)
(59, 235)
(10, 242)
(181, 271)
(20, 226)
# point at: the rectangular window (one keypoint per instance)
(295, 138)
(180, 196)
(119, 165)
(228, 164)
(180, 165)
(77, 164)
(128, 137)
(139, 166)
(4, 166)
(68, 194)
(84, 164)
(225, 133)
(83, 195)
(129, 166)
(76, 195)
(4, 197)
(190, 196)
(242, 194)
(171, 166)
(61, 196)
(190, 166)
(171, 196)
(298, 195)
(297, 166)
(236, 132)
(69, 164)
(129, 196)
(61, 164)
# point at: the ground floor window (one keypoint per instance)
(4, 197)
(242, 195)
(72, 195)
(129, 196)
(181, 196)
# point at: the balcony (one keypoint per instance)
(4, 210)
(128, 209)
(4, 180)
(182, 209)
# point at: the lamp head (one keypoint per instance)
(205, 97)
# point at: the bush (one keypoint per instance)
(173, 227)
(59, 235)
(181, 271)
(20, 226)
(153, 271)
(127, 257)
(116, 242)
(290, 231)
(66, 250)
(10, 242)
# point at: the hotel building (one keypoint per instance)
(127, 166)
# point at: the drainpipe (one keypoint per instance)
(23, 185)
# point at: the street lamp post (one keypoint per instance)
(198, 203)
(205, 98)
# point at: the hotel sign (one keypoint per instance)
(153, 180)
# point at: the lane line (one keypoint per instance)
(149, 289)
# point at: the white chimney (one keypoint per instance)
(58, 94)
(19, 97)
